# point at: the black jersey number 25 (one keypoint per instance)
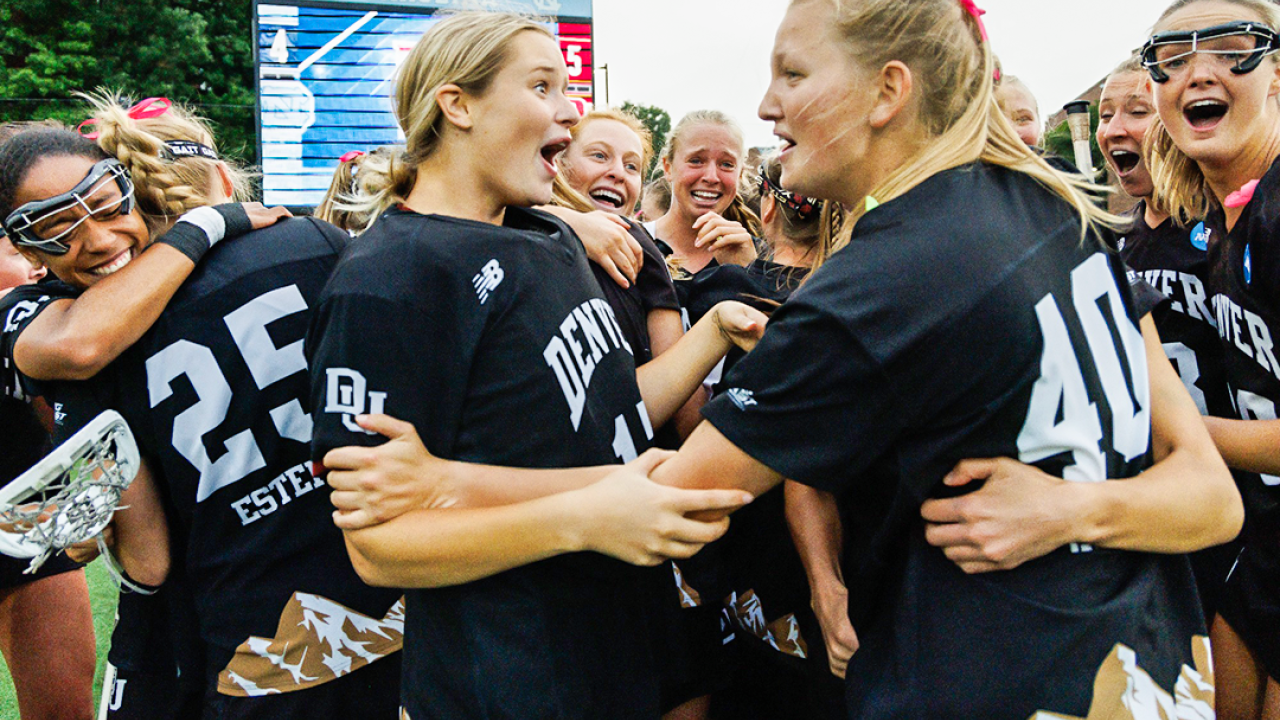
(1063, 414)
(267, 364)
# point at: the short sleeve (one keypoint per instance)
(810, 401)
(17, 311)
(653, 282)
(1145, 295)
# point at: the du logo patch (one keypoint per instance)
(488, 279)
(347, 394)
(742, 398)
(1200, 237)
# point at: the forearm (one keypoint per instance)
(817, 533)
(484, 486)
(141, 533)
(1251, 445)
(670, 379)
(438, 548)
(73, 340)
(709, 460)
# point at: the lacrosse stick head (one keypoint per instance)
(70, 495)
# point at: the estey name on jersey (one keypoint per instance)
(1233, 320)
(574, 354)
(292, 483)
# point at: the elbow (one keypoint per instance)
(82, 360)
(366, 564)
(152, 574)
(1222, 507)
(1231, 515)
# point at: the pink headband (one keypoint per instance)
(977, 14)
(348, 157)
(149, 108)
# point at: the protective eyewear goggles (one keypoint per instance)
(803, 206)
(23, 224)
(1239, 46)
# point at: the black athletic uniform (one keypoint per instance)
(1244, 281)
(652, 290)
(1175, 261)
(217, 395)
(144, 667)
(966, 319)
(501, 351)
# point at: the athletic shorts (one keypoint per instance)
(11, 569)
(1250, 602)
(133, 695)
(371, 692)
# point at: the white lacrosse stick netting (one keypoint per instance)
(70, 495)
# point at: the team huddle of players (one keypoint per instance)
(465, 442)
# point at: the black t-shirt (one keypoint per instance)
(1175, 261)
(18, 309)
(652, 290)
(967, 319)
(218, 396)
(1244, 281)
(495, 342)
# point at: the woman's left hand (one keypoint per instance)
(728, 241)
(1020, 513)
(739, 323)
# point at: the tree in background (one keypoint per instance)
(195, 52)
(659, 123)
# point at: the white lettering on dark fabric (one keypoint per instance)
(587, 334)
(278, 492)
(346, 393)
(1247, 331)
(1186, 292)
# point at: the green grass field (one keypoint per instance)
(103, 594)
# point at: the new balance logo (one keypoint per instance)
(347, 394)
(485, 281)
(742, 398)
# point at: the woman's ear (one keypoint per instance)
(224, 177)
(768, 208)
(893, 95)
(454, 105)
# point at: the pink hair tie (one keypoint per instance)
(977, 14)
(348, 157)
(1241, 197)
(145, 110)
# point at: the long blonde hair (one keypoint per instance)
(165, 185)
(954, 70)
(1180, 185)
(738, 211)
(468, 50)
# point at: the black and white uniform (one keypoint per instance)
(502, 351)
(652, 290)
(1244, 282)
(967, 319)
(217, 394)
(1175, 261)
(151, 631)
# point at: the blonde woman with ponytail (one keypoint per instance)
(1216, 150)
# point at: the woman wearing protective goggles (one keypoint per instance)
(1215, 151)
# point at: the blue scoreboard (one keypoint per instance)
(325, 73)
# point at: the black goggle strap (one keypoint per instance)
(20, 223)
(1267, 38)
(803, 206)
(178, 149)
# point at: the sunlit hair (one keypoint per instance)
(659, 189)
(468, 50)
(1180, 186)
(340, 203)
(738, 211)
(953, 70)
(165, 186)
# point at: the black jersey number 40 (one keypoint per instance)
(1063, 415)
(267, 364)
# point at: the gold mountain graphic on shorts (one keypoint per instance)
(317, 640)
(782, 634)
(1124, 691)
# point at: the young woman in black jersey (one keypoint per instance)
(503, 351)
(1216, 82)
(970, 310)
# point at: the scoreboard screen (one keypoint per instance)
(325, 74)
